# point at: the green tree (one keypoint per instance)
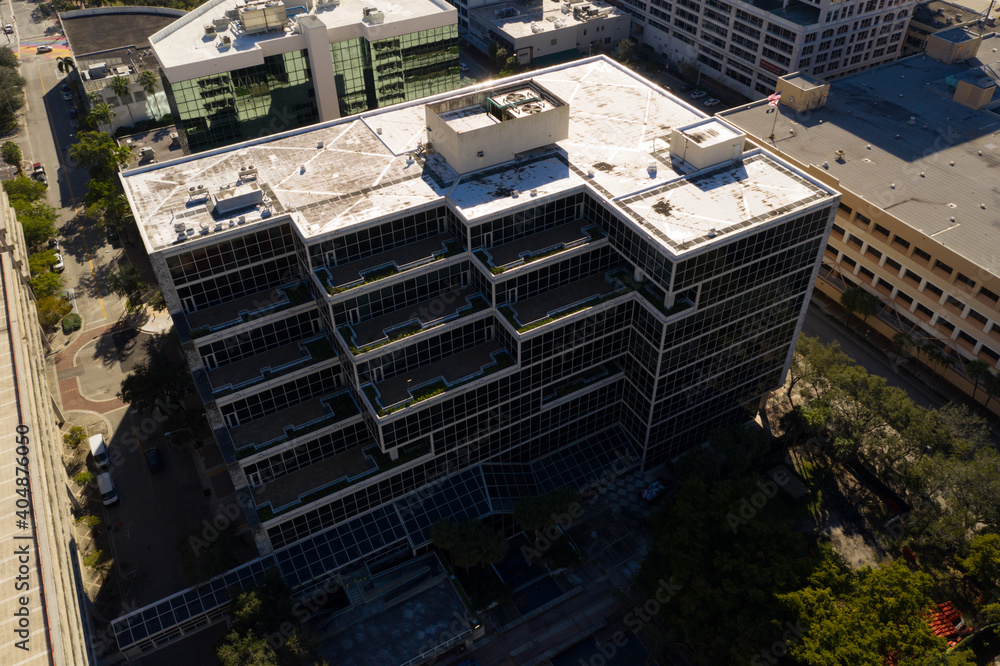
(83, 478)
(74, 437)
(121, 87)
(23, 191)
(864, 618)
(156, 383)
(728, 559)
(991, 385)
(625, 53)
(100, 114)
(66, 65)
(125, 282)
(8, 58)
(983, 562)
(860, 302)
(11, 95)
(258, 614)
(149, 82)
(10, 152)
(51, 310)
(977, 371)
(42, 262)
(47, 284)
(38, 220)
(98, 152)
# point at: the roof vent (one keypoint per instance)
(179, 227)
(209, 29)
(514, 194)
(225, 42)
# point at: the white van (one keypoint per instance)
(99, 451)
(109, 494)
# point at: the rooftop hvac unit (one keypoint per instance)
(221, 23)
(373, 14)
(535, 28)
(225, 42)
(209, 29)
(327, 3)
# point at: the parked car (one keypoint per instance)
(44, 49)
(153, 459)
(68, 96)
(59, 266)
(698, 94)
(8, 29)
(38, 173)
(463, 67)
(73, 112)
(65, 87)
(653, 490)
(711, 101)
(112, 235)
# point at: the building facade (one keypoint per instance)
(439, 309)
(918, 229)
(747, 46)
(234, 71)
(43, 618)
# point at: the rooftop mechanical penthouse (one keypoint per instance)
(438, 308)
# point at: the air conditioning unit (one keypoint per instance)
(209, 29)
(225, 42)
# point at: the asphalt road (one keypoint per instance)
(45, 136)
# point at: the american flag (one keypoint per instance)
(773, 99)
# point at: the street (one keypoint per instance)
(45, 135)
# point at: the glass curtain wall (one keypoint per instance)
(371, 75)
(246, 103)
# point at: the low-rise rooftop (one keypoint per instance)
(908, 147)
(335, 175)
(517, 19)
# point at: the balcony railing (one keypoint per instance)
(387, 269)
(437, 386)
(592, 233)
(410, 327)
(583, 380)
(337, 407)
(293, 295)
(317, 350)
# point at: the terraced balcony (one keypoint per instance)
(339, 279)
(246, 308)
(380, 331)
(433, 379)
(538, 246)
(292, 422)
(283, 360)
(561, 302)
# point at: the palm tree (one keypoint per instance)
(902, 341)
(66, 65)
(121, 87)
(147, 79)
(101, 113)
(977, 371)
(992, 388)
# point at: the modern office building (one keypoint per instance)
(439, 308)
(748, 45)
(540, 32)
(912, 146)
(236, 69)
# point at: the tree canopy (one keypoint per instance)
(864, 617)
(98, 152)
(156, 383)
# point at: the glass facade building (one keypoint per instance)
(279, 95)
(371, 75)
(451, 343)
(246, 103)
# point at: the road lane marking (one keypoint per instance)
(69, 186)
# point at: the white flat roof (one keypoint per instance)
(184, 41)
(359, 169)
(549, 18)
